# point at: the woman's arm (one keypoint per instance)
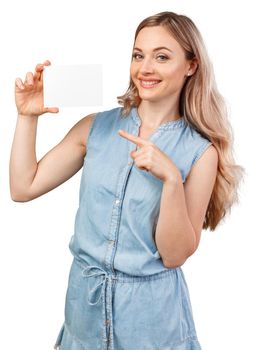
(183, 208)
(30, 179)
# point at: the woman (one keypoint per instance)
(156, 171)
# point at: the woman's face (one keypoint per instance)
(158, 66)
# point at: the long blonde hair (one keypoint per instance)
(203, 107)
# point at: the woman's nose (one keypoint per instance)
(146, 66)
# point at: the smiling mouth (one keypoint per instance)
(149, 83)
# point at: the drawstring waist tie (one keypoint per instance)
(106, 293)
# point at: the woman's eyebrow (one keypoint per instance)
(156, 49)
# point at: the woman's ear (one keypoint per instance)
(193, 66)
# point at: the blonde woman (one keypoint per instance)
(156, 171)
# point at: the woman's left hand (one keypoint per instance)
(150, 158)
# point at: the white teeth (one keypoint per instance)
(149, 82)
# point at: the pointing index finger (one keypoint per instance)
(135, 139)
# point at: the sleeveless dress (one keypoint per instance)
(120, 296)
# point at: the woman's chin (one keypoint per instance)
(146, 97)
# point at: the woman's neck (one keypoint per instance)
(152, 115)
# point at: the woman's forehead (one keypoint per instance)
(150, 38)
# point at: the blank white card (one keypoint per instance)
(73, 85)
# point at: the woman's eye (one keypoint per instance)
(163, 58)
(135, 55)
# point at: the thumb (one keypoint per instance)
(51, 110)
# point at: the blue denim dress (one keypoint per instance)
(120, 296)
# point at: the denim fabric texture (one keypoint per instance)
(120, 296)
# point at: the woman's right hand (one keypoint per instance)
(29, 95)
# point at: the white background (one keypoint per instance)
(34, 255)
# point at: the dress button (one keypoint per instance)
(117, 201)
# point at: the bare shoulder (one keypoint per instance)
(207, 163)
(85, 127)
(203, 173)
(210, 156)
(80, 131)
